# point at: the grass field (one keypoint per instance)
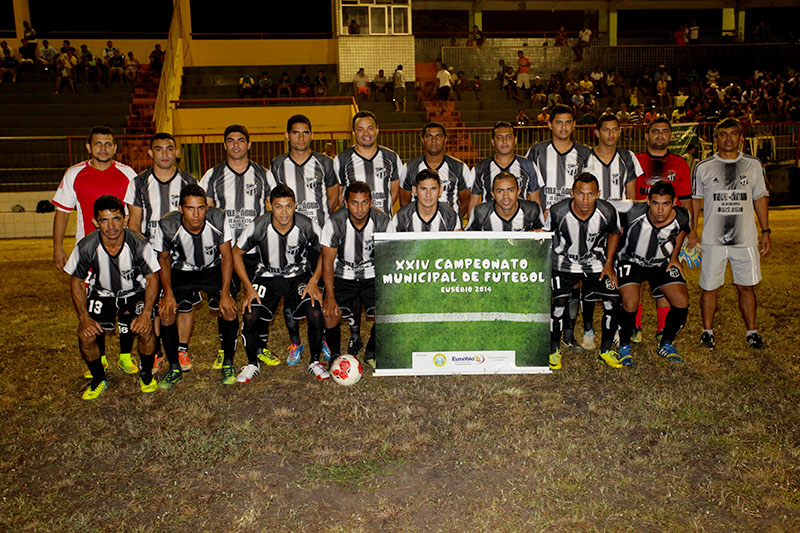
(711, 445)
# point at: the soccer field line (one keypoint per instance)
(462, 317)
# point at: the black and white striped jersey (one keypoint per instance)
(282, 255)
(355, 247)
(643, 243)
(580, 246)
(121, 275)
(187, 251)
(453, 173)
(557, 171)
(378, 172)
(729, 187)
(242, 197)
(613, 177)
(156, 198)
(485, 170)
(485, 218)
(409, 219)
(309, 181)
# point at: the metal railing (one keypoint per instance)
(293, 100)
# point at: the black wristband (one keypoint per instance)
(766, 230)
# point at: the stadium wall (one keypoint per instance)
(258, 52)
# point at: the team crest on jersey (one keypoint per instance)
(209, 249)
(311, 182)
(572, 169)
(139, 307)
(369, 246)
(743, 180)
(250, 189)
(615, 178)
(300, 289)
(174, 199)
(671, 175)
(293, 250)
(127, 275)
(380, 173)
(674, 272)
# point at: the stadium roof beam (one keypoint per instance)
(590, 5)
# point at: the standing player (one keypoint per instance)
(453, 173)
(310, 175)
(194, 251)
(653, 236)
(506, 211)
(426, 213)
(151, 195)
(239, 188)
(80, 187)
(585, 237)
(658, 163)
(504, 141)
(124, 279)
(287, 245)
(376, 165)
(348, 264)
(614, 168)
(731, 185)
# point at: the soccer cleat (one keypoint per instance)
(152, 386)
(588, 340)
(659, 334)
(707, 340)
(636, 336)
(88, 373)
(185, 362)
(158, 363)
(570, 342)
(125, 363)
(295, 353)
(355, 345)
(170, 380)
(228, 375)
(326, 352)
(92, 393)
(555, 360)
(268, 359)
(249, 371)
(755, 341)
(317, 370)
(218, 361)
(369, 358)
(670, 353)
(625, 357)
(610, 358)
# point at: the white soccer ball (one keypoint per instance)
(346, 370)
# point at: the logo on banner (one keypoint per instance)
(439, 359)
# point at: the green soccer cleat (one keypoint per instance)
(170, 380)
(92, 393)
(218, 361)
(228, 375)
(637, 336)
(88, 373)
(555, 360)
(610, 358)
(268, 359)
(126, 364)
(149, 387)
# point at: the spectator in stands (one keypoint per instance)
(266, 86)
(65, 46)
(598, 79)
(320, 84)
(681, 35)
(652, 114)
(637, 114)
(83, 59)
(247, 87)
(663, 97)
(476, 87)
(30, 38)
(353, 28)
(584, 36)
(284, 87)
(761, 33)
(303, 84)
(116, 66)
(156, 58)
(561, 37)
(611, 88)
(570, 85)
(444, 82)
(105, 64)
(538, 98)
(27, 57)
(694, 32)
(47, 56)
(522, 119)
(330, 151)
(132, 68)
(712, 76)
(510, 84)
(644, 84)
(9, 66)
(67, 63)
(92, 69)
(523, 73)
(360, 84)
(4, 46)
(586, 86)
(576, 101)
(623, 116)
(399, 94)
(543, 118)
(554, 96)
(476, 38)
(379, 85)
(459, 83)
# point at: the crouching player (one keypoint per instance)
(585, 238)
(288, 249)
(654, 234)
(124, 277)
(194, 251)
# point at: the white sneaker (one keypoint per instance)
(317, 370)
(248, 372)
(588, 340)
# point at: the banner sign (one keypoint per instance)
(462, 303)
(682, 136)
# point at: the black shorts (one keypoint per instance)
(444, 92)
(271, 290)
(104, 309)
(347, 290)
(187, 286)
(657, 277)
(250, 266)
(593, 289)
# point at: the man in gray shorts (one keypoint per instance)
(731, 184)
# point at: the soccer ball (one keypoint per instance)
(346, 370)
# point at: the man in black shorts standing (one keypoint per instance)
(194, 251)
(288, 249)
(586, 233)
(348, 263)
(124, 277)
(653, 235)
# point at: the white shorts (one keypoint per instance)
(745, 265)
(524, 80)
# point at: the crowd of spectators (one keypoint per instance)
(265, 87)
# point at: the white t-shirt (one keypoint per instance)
(444, 78)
